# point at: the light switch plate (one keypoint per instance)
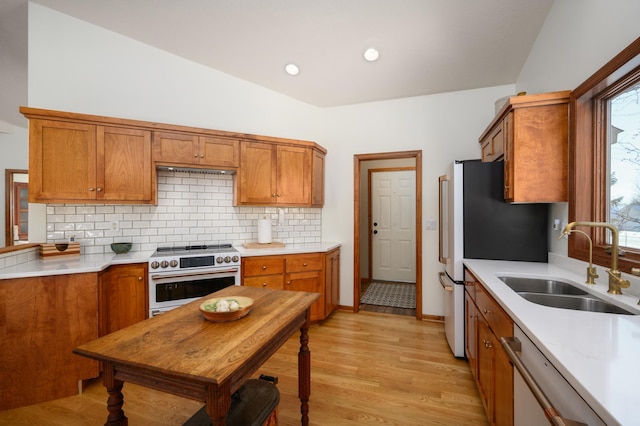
(430, 224)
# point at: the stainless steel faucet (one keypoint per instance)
(616, 282)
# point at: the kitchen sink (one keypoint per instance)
(575, 302)
(541, 285)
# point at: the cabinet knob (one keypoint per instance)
(264, 267)
(201, 155)
(264, 284)
(139, 278)
(304, 264)
(274, 195)
(91, 189)
(195, 155)
(99, 189)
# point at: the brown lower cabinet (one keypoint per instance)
(42, 319)
(485, 323)
(310, 272)
(123, 297)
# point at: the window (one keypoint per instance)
(604, 152)
(623, 143)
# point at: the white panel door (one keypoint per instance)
(393, 232)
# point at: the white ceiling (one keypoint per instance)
(426, 46)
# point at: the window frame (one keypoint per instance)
(588, 155)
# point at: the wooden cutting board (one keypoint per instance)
(272, 244)
(61, 249)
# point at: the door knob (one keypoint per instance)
(375, 223)
(375, 231)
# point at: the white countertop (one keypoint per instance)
(61, 265)
(597, 353)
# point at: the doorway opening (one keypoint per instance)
(407, 251)
(16, 207)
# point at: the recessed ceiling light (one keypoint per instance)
(292, 69)
(371, 54)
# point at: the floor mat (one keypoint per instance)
(397, 295)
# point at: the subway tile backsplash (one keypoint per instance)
(192, 208)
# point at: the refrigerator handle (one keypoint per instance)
(443, 232)
(444, 282)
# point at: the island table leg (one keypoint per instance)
(116, 398)
(304, 372)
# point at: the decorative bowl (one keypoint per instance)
(210, 308)
(120, 248)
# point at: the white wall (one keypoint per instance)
(577, 38)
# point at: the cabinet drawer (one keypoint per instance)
(302, 263)
(274, 282)
(497, 319)
(254, 266)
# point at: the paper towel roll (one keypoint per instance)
(264, 230)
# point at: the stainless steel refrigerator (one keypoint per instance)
(476, 223)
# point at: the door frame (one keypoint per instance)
(357, 159)
(371, 171)
(8, 204)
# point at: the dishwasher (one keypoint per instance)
(561, 397)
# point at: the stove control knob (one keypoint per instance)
(164, 263)
(235, 258)
(227, 259)
(219, 259)
(155, 264)
(173, 263)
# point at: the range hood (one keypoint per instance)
(196, 170)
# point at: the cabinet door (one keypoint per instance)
(493, 145)
(317, 184)
(310, 282)
(219, 152)
(293, 175)
(470, 331)
(123, 297)
(175, 148)
(256, 178)
(485, 365)
(332, 282)
(62, 161)
(124, 164)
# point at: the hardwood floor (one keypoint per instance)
(367, 368)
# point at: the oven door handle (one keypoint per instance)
(194, 274)
(512, 345)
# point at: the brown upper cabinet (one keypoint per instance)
(86, 158)
(280, 174)
(530, 134)
(195, 150)
(85, 162)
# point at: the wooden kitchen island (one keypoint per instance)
(182, 353)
